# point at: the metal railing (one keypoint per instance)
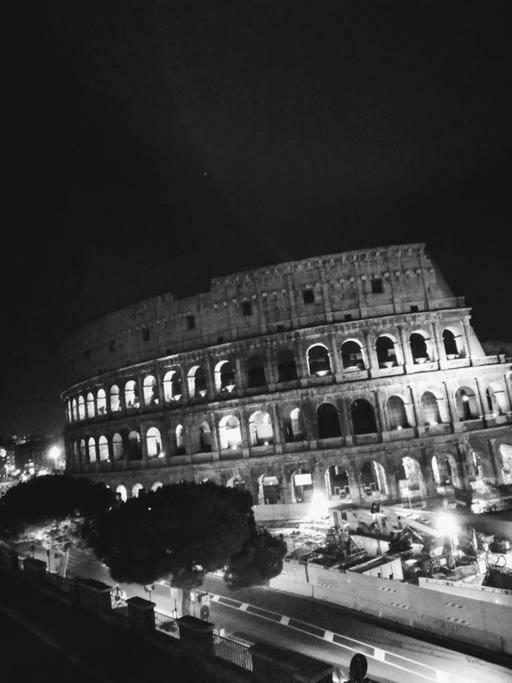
(232, 651)
(167, 624)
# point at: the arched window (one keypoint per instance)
(101, 402)
(196, 382)
(117, 446)
(92, 449)
(81, 408)
(397, 415)
(327, 421)
(336, 481)
(286, 367)
(260, 429)
(230, 435)
(172, 386)
(133, 446)
(150, 389)
(465, 401)
(386, 352)
(224, 376)
(90, 405)
(430, 409)
(418, 346)
(103, 449)
(506, 459)
(68, 411)
(373, 479)
(131, 394)
(157, 485)
(269, 490)
(180, 439)
(293, 426)
(302, 486)
(352, 355)
(153, 442)
(450, 344)
(496, 401)
(137, 490)
(255, 372)
(363, 417)
(205, 437)
(318, 361)
(83, 450)
(74, 410)
(121, 493)
(115, 399)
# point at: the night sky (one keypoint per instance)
(154, 145)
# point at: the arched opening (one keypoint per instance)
(319, 363)
(506, 462)
(328, 423)
(103, 449)
(172, 386)
(153, 442)
(230, 435)
(410, 479)
(92, 449)
(101, 402)
(496, 401)
(336, 482)
(418, 346)
(157, 485)
(430, 409)
(131, 394)
(373, 479)
(121, 493)
(196, 382)
(286, 366)
(445, 473)
(117, 446)
(352, 355)
(74, 410)
(179, 435)
(205, 437)
(133, 446)
(269, 490)
(363, 417)
(302, 486)
(465, 402)
(397, 415)
(386, 352)
(115, 399)
(137, 490)
(450, 345)
(82, 450)
(236, 483)
(293, 426)
(90, 404)
(261, 432)
(255, 372)
(150, 390)
(81, 408)
(224, 377)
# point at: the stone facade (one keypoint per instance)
(356, 374)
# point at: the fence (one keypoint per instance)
(167, 624)
(232, 651)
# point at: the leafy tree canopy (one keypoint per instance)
(260, 559)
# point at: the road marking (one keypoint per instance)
(284, 621)
(329, 635)
(243, 607)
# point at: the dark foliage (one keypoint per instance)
(53, 497)
(260, 559)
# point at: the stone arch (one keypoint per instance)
(103, 449)
(418, 343)
(131, 394)
(410, 478)
(293, 429)
(117, 446)
(430, 409)
(172, 386)
(319, 361)
(122, 493)
(197, 385)
(153, 442)
(91, 449)
(150, 390)
(82, 449)
(269, 490)
(137, 490)
(236, 482)
(156, 485)
(230, 435)
(205, 437)
(255, 372)
(496, 399)
(224, 375)
(337, 482)
(261, 432)
(363, 417)
(179, 437)
(286, 366)
(115, 398)
(445, 472)
(505, 451)
(452, 343)
(373, 479)
(134, 446)
(396, 413)
(386, 348)
(74, 410)
(465, 402)
(81, 408)
(352, 355)
(90, 404)
(101, 402)
(302, 486)
(328, 423)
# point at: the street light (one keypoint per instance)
(447, 524)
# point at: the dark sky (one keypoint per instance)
(154, 145)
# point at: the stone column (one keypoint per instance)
(143, 444)
(354, 482)
(426, 471)
(371, 353)
(270, 366)
(462, 462)
(244, 432)
(240, 376)
(346, 427)
(496, 461)
(439, 343)
(416, 410)
(140, 389)
(300, 359)
(189, 448)
(379, 413)
(482, 407)
(210, 380)
(336, 362)
(276, 427)
(452, 411)
(215, 435)
(406, 349)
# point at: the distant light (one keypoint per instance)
(319, 507)
(54, 453)
(447, 524)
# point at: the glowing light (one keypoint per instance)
(54, 453)
(319, 506)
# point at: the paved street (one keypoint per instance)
(319, 629)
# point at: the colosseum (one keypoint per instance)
(356, 374)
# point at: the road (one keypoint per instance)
(316, 628)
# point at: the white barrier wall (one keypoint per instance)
(496, 596)
(281, 512)
(457, 617)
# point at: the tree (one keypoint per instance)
(260, 559)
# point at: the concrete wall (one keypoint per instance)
(495, 596)
(281, 512)
(470, 621)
